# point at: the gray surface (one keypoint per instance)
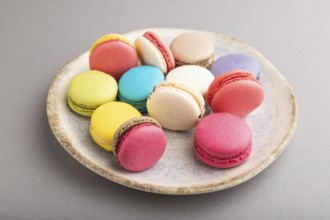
(40, 180)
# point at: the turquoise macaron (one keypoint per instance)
(136, 85)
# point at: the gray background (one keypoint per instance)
(40, 180)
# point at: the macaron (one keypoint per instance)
(237, 92)
(153, 51)
(113, 54)
(192, 48)
(193, 75)
(137, 83)
(90, 89)
(107, 118)
(222, 140)
(176, 106)
(235, 61)
(139, 143)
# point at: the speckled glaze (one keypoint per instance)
(179, 171)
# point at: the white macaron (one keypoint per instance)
(193, 75)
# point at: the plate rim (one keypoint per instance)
(65, 142)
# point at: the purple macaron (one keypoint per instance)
(235, 61)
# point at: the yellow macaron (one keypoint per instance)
(88, 90)
(107, 118)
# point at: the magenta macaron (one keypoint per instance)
(222, 140)
(139, 143)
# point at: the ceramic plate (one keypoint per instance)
(179, 171)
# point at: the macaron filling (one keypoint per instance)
(231, 159)
(161, 47)
(81, 107)
(229, 78)
(204, 63)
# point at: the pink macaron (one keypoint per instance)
(237, 92)
(139, 143)
(223, 140)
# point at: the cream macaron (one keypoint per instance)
(192, 48)
(193, 75)
(176, 106)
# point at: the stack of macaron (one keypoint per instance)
(170, 86)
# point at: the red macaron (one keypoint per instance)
(237, 92)
(113, 54)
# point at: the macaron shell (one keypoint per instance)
(239, 97)
(107, 118)
(191, 48)
(90, 89)
(193, 75)
(113, 57)
(235, 62)
(137, 83)
(225, 140)
(150, 54)
(141, 147)
(175, 108)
